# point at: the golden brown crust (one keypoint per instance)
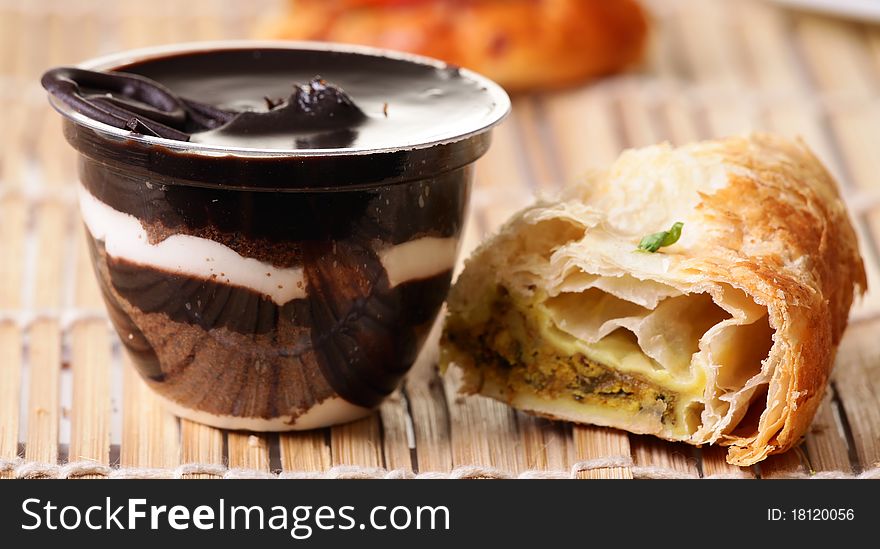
(790, 202)
(788, 188)
(761, 216)
(522, 44)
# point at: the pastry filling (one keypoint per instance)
(522, 354)
(582, 349)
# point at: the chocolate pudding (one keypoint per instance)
(274, 227)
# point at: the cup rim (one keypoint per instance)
(501, 104)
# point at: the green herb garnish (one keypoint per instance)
(654, 242)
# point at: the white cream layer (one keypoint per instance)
(418, 259)
(125, 238)
(331, 411)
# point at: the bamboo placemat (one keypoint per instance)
(70, 406)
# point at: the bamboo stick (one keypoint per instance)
(534, 136)
(357, 443)
(791, 463)
(45, 337)
(29, 52)
(57, 158)
(396, 432)
(10, 37)
(835, 52)
(427, 403)
(248, 450)
(209, 27)
(653, 452)
(663, 56)
(546, 445)
(90, 409)
(768, 53)
(714, 462)
(52, 226)
(306, 451)
(502, 185)
(10, 390)
(91, 365)
(798, 118)
(430, 423)
(637, 118)
(56, 41)
(857, 382)
(676, 115)
(591, 443)
(483, 431)
(711, 44)
(14, 214)
(88, 37)
(825, 445)
(87, 294)
(13, 156)
(135, 28)
(200, 444)
(150, 435)
(43, 396)
(585, 131)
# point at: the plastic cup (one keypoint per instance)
(278, 289)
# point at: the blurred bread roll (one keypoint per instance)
(522, 44)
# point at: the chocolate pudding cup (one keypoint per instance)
(275, 277)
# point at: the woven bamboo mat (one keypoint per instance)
(70, 406)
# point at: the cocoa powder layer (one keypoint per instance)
(352, 337)
(218, 371)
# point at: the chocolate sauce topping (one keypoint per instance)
(132, 102)
(415, 119)
(318, 114)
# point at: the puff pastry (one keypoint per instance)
(725, 337)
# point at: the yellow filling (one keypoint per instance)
(519, 347)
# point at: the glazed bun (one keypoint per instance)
(522, 44)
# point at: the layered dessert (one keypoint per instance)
(274, 229)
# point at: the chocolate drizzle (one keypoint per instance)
(132, 102)
(318, 113)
